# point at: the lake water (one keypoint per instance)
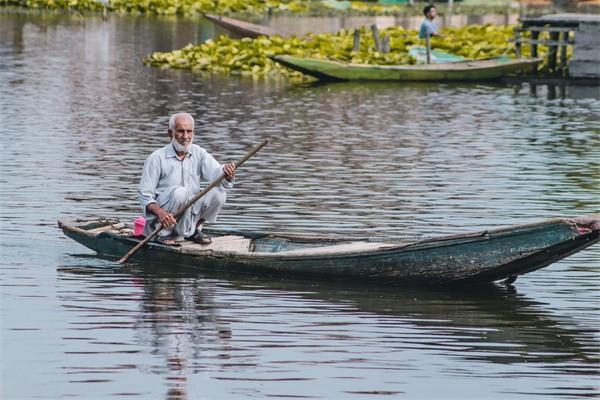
(79, 112)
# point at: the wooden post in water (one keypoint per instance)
(428, 48)
(534, 46)
(553, 51)
(385, 44)
(376, 37)
(563, 52)
(356, 46)
(518, 42)
(562, 91)
(533, 90)
(551, 92)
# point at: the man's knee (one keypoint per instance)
(179, 196)
(217, 197)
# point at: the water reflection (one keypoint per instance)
(241, 328)
(380, 160)
(179, 319)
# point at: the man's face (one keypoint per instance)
(183, 132)
(432, 13)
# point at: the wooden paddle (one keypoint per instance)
(194, 199)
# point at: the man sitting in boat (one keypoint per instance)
(428, 27)
(172, 175)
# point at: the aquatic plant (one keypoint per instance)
(247, 8)
(249, 57)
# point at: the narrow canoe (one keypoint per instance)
(486, 256)
(472, 70)
(241, 28)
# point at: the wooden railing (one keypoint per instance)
(560, 38)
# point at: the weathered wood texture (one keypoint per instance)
(428, 48)
(356, 44)
(585, 62)
(239, 27)
(385, 44)
(376, 37)
(480, 256)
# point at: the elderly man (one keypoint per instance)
(172, 176)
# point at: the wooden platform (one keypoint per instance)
(578, 30)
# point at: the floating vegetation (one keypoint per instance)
(249, 57)
(79, 5)
(247, 8)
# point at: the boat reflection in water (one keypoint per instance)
(242, 330)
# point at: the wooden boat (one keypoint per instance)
(487, 256)
(240, 28)
(471, 70)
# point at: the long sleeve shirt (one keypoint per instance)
(164, 171)
(427, 28)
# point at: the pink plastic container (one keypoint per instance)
(138, 226)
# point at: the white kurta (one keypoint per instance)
(170, 182)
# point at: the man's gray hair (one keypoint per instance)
(177, 115)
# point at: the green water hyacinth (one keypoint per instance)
(246, 8)
(249, 57)
(168, 7)
(80, 5)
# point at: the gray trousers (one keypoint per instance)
(207, 208)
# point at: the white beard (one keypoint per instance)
(180, 148)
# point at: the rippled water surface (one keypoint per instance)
(79, 113)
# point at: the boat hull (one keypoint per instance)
(240, 28)
(479, 257)
(478, 70)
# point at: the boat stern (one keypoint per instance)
(586, 224)
(584, 232)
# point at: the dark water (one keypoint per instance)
(79, 113)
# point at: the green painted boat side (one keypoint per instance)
(472, 70)
(477, 257)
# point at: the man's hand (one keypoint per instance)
(229, 171)
(166, 219)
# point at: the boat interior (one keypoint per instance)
(245, 242)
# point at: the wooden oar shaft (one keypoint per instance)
(428, 48)
(194, 199)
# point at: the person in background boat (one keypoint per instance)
(428, 27)
(172, 175)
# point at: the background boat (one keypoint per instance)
(239, 27)
(472, 70)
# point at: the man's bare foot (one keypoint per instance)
(168, 241)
